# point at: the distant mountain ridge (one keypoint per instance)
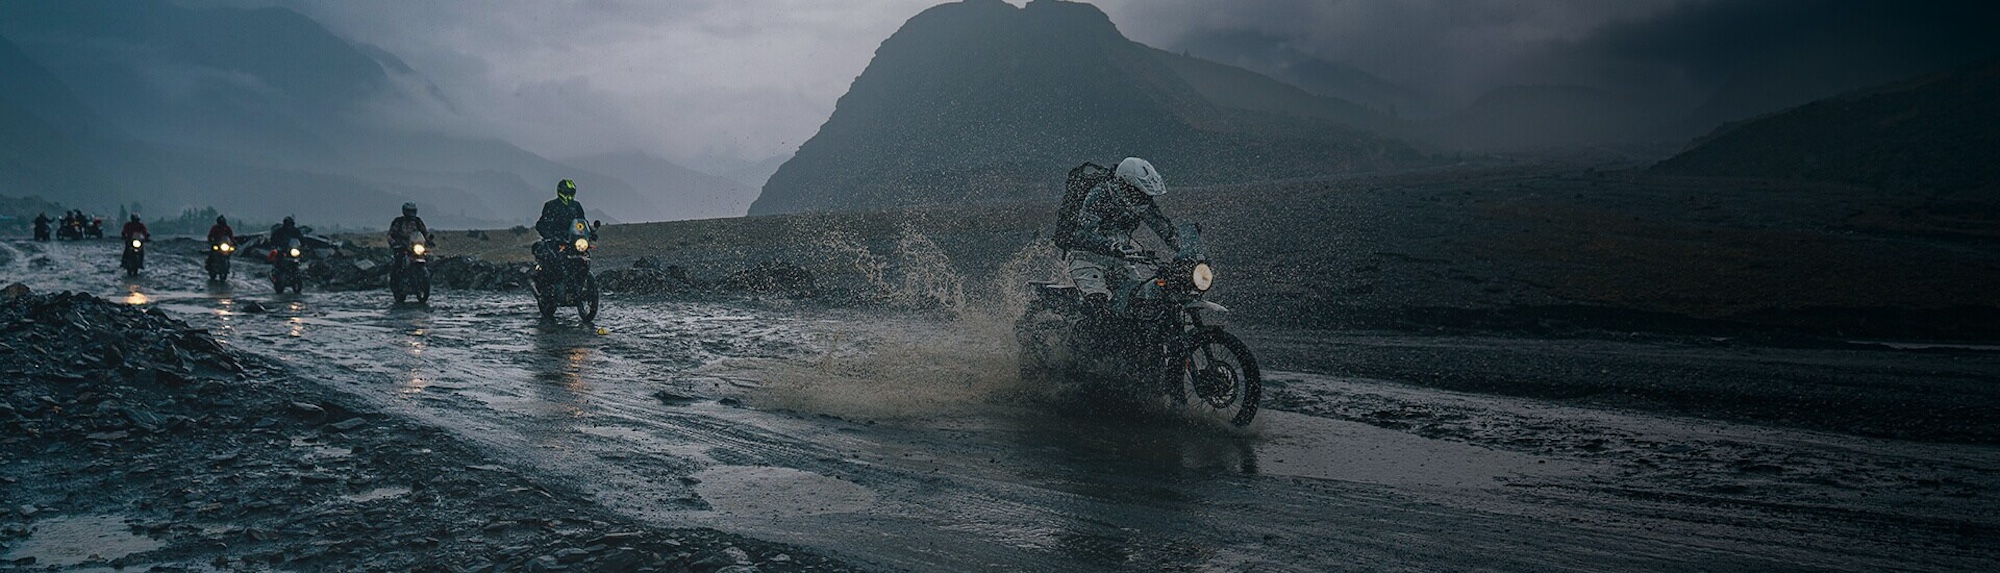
(1938, 132)
(261, 112)
(980, 101)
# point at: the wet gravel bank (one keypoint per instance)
(170, 452)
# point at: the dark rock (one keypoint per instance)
(672, 399)
(308, 411)
(571, 555)
(646, 263)
(623, 561)
(773, 277)
(16, 290)
(253, 307)
(347, 424)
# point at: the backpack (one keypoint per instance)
(1076, 188)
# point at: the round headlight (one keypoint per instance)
(295, 251)
(225, 247)
(1204, 276)
(135, 243)
(417, 248)
(582, 245)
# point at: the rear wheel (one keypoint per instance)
(1219, 372)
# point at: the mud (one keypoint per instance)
(894, 436)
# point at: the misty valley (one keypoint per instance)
(999, 285)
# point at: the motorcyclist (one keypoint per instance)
(554, 226)
(284, 233)
(135, 230)
(403, 229)
(42, 222)
(1101, 251)
(221, 232)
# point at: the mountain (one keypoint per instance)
(1518, 118)
(1275, 57)
(1238, 88)
(262, 112)
(981, 101)
(1939, 132)
(42, 152)
(696, 195)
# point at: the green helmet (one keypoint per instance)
(566, 189)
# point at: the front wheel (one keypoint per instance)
(1219, 372)
(423, 287)
(586, 303)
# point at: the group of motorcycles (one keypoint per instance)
(566, 282)
(71, 229)
(1166, 340)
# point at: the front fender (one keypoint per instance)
(1205, 313)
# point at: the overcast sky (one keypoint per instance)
(747, 79)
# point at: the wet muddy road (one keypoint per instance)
(904, 442)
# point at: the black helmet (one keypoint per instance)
(289, 222)
(221, 221)
(135, 217)
(410, 208)
(566, 189)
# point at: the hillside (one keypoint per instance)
(1936, 132)
(261, 112)
(980, 101)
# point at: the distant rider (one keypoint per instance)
(135, 230)
(284, 233)
(42, 222)
(403, 229)
(554, 226)
(220, 232)
(1101, 250)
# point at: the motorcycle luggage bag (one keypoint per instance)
(1076, 187)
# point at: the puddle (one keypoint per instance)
(72, 540)
(378, 494)
(762, 491)
(1305, 446)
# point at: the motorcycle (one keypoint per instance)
(218, 260)
(70, 231)
(134, 258)
(96, 228)
(412, 276)
(1166, 337)
(568, 282)
(41, 232)
(287, 267)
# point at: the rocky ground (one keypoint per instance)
(137, 443)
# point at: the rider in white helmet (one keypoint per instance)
(1099, 252)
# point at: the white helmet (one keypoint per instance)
(1139, 173)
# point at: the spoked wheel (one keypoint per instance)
(586, 305)
(396, 288)
(1219, 372)
(423, 289)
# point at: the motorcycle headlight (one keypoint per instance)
(417, 248)
(582, 245)
(1203, 276)
(225, 247)
(295, 252)
(135, 243)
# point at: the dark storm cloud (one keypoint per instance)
(1714, 42)
(1676, 49)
